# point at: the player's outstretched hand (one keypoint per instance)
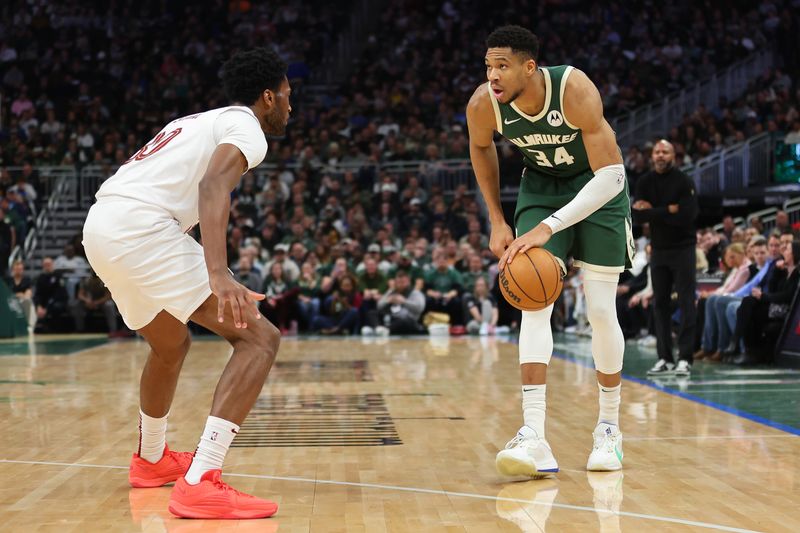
(502, 235)
(241, 299)
(535, 238)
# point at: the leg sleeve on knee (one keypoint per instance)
(608, 343)
(536, 337)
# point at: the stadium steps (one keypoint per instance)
(64, 223)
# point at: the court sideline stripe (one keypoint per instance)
(688, 396)
(447, 493)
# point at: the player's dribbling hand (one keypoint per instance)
(501, 237)
(240, 298)
(535, 238)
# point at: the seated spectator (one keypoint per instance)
(280, 255)
(443, 287)
(762, 282)
(308, 300)
(717, 333)
(245, 274)
(400, 309)
(333, 273)
(373, 286)
(374, 253)
(482, 309)
(340, 309)
(405, 261)
(763, 316)
(474, 271)
(710, 243)
(22, 287)
(25, 190)
(298, 253)
(782, 223)
(279, 305)
(73, 269)
(739, 266)
(93, 296)
(50, 297)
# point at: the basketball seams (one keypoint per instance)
(538, 275)
(528, 296)
(514, 295)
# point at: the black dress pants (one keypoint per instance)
(674, 270)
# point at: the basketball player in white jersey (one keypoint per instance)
(160, 278)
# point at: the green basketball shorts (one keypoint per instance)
(602, 242)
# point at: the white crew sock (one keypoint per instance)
(214, 444)
(609, 404)
(534, 406)
(152, 437)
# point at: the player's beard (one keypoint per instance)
(276, 126)
(514, 96)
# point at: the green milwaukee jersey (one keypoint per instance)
(549, 143)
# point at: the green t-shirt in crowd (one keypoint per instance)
(469, 279)
(443, 281)
(377, 281)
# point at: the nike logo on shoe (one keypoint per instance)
(507, 122)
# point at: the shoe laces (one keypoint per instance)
(608, 441)
(521, 441)
(218, 483)
(182, 457)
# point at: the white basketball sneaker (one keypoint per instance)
(607, 450)
(526, 455)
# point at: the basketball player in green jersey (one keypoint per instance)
(573, 201)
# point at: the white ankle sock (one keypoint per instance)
(214, 444)
(609, 404)
(534, 406)
(152, 437)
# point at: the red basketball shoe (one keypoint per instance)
(171, 466)
(212, 498)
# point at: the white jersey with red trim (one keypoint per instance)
(167, 170)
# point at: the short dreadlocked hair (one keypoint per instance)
(249, 73)
(520, 40)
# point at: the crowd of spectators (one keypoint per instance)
(90, 82)
(359, 250)
(747, 280)
(79, 81)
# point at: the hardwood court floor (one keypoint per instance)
(383, 435)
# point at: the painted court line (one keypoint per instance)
(742, 390)
(714, 437)
(687, 396)
(447, 493)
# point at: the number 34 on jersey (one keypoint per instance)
(560, 157)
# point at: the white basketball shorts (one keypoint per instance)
(145, 260)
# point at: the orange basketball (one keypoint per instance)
(532, 281)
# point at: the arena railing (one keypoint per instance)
(657, 118)
(736, 167)
(792, 208)
(767, 217)
(448, 174)
(56, 181)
